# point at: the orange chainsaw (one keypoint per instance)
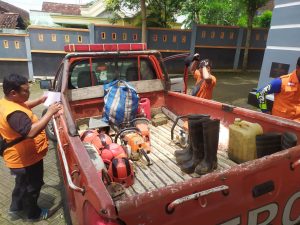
(136, 139)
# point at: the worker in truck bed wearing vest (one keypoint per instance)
(201, 70)
(286, 91)
(25, 158)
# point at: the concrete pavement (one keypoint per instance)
(51, 196)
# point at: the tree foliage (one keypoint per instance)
(216, 12)
(263, 20)
(160, 13)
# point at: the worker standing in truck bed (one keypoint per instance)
(201, 70)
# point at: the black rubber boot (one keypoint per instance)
(187, 153)
(196, 133)
(211, 131)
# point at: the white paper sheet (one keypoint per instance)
(52, 97)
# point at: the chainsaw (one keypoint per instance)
(181, 138)
(136, 140)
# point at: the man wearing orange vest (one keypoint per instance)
(205, 81)
(25, 158)
(286, 91)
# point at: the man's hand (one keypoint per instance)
(42, 123)
(54, 108)
(42, 99)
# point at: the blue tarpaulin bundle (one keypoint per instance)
(120, 102)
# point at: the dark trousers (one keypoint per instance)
(28, 184)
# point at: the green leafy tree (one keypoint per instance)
(117, 6)
(216, 12)
(250, 6)
(264, 20)
(161, 12)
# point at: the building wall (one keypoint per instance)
(283, 45)
(117, 34)
(51, 40)
(224, 45)
(13, 57)
(167, 40)
(9, 67)
(12, 47)
(46, 64)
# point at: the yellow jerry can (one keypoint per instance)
(242, 143)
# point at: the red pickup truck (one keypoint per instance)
(261, 191)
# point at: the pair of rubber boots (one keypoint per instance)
(201, 154)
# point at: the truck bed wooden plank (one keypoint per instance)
(175, 172)
(164, 170)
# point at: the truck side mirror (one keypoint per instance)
(46, 84)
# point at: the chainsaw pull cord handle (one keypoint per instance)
(175, 123)
(135, 129)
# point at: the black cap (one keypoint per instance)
(298, 62)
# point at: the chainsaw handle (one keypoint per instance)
(142, 151)
(131, 123)
(134, 129)
(175, 123)
(139, 119)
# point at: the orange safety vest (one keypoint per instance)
(28, 151)
(287, 102)
(206, 89)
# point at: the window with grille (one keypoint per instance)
(17, 44)
(79, 39)
(67, 38)
(174, 39)
(41, 37)
(53, 37)
(165, 38)
(5, 44)
(222, 35)
(124, 36)
(103, 35)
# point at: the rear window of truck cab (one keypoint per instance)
(98, 71)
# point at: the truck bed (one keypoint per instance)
(164, 170)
